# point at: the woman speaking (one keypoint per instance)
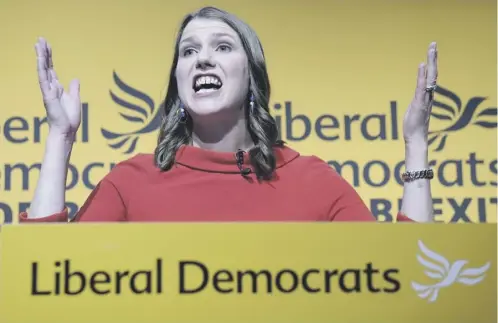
(217, 156)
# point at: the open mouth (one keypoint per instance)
(207, 83)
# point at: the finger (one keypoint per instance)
(74, 89)
(52, 75)
(51, 71)
(49, 52)
(50, 64)
(41, 58)
(46, 55)
(431, 74)
(59, 87)
(421, 84)
(432, 65)
(43, 77)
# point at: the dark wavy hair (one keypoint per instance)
(261, 125)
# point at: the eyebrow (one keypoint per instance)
(216, 35)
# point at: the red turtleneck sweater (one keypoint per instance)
(206, 186)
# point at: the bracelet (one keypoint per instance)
(410, 176)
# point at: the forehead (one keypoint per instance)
(202, 27)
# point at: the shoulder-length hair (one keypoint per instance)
(261, 125)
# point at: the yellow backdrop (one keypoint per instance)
(329, 62)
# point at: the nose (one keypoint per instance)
(205, 60)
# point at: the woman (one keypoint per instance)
(218, 157)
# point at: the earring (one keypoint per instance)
(251, 104)
(182, 114)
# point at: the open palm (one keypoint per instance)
(63, 108)
(417, 117)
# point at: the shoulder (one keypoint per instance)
(317, 181)
(311, 167)
(316, 170)
(311, 173)
(138, 166)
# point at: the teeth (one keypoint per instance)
(207, 80)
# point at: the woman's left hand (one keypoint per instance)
(416, 120)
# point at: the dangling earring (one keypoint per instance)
(182, 114)
(251, 104)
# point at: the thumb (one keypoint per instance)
(74, 88)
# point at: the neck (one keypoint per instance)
(227, 134)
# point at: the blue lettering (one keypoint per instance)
(86, 174)
(37, 128)
(473, 162)
(381, 209)
(10, 127)
(73, 179)
(6, 213)
(493, 169)
(348, 121)
(378, 173)
(326, 122)
(328, 127)
(72, 209)
(290, 122)
(385, 174)
(20, 130)
(24, 206)
(437, 211)
(355, 169)
(84, 123)
(23, 175)
(460, 209)
(457, 171)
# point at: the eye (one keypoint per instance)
(224, 48)
(188, 51)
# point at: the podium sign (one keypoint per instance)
(257, 273)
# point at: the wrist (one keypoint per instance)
(416, 156)
(55, 134)
(58, 138)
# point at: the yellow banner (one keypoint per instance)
(258, 273)
(342, 73)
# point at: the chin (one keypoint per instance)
(206, 109)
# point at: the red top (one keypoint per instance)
(207, 186)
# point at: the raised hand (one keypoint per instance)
(63, 108)
(416, 121)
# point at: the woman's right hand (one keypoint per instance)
(64, 117)
(63, 108)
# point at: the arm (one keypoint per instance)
(64, 116)
(417, 196)
(342, 202)
(105, 204)
(50, 192)
(348, 205)
(48, 205)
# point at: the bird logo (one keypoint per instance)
(146, 115)
(438, 267)
(458, 116)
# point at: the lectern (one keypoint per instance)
(248, 272)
